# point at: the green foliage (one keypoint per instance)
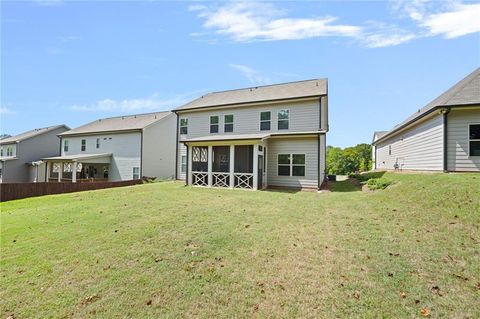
(363, 177)
(349, 160)
(378, 183)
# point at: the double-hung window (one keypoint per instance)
(474, 139)
(84, 145)
(183, 126)
(265, 121)
(184, 164)
(228, 123)
(291, 164)
(1, 152)
(9, 151)
(98, 143)
(283, 119)
(65, 146)
(214, 124)
(136, 173)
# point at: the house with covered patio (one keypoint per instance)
(116, 149)
(254, 138)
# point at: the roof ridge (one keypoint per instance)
(457, 88)
(266, 85)
(129, 115)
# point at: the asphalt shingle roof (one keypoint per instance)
(307, 88)
(26, 135)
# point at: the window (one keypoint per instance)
(291, 164)
(184, 164)
(1, 152)
(265, 121)
(98, 143)
(183, 126)
(389, 150)
(228, 123)
(474, 140)
(283, 119)
(214, 124)
(65, 146)
(136, 173)
(84, 145)
(9, 151)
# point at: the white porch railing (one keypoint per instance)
(243, 180)
(200, 178)
(220, 179)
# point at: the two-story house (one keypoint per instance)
(20, 154)
(117, 148)
(253, 138)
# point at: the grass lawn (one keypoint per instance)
(165, 250)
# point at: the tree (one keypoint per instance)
(349, 160)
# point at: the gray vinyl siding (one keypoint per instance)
(32, 149)
(458, 140)
(417, 148)
(182, 151)
(304, 145)
(125, 147)
(158, 158)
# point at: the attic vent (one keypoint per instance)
(317, 83)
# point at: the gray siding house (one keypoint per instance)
(117, 148)
(20, 155)
(442, 136)
(253, 138)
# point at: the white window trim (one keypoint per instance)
(66, 145)
(225, 123)
(180, 124)
(133, 173)
(471, 140)
(81, 145)
(181, 164)
(260, 126)
(97, 143)
(210, 124)
(278, 120)
(291, 164)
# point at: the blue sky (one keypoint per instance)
(74, 62)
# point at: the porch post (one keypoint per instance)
(60, 171)
(47, 173)
(255, 166)
(189, 170)
(210, 164)
(232, 165)
(74, 172)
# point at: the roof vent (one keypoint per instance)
(123, 117)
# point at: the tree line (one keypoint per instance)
(349, 160)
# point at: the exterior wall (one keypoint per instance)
(458, 140)
(32, 149)
(418, 148)
(124, 147)
(303, 116)
(158, 158)
(295, 145)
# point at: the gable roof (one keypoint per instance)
(283, 91)
(378, 134)
(32, 133)
(464, 92)
(118, 123)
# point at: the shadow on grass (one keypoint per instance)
(344, 186)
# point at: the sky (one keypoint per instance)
(72, 62)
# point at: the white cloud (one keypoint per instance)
(463, 19)
(6, 111)
(251, 74)
(154, 102)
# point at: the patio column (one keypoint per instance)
(60, 171)
(210, 164)
(232, 166)
(189, 170)
(255, 166)
(47, 173)
(74, 172)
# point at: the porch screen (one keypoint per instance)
(200, 159)
(221, 159)
(244, 159)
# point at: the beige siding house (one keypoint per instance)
(116, 149)
(20, 155)
(442, 136)
(266, 136)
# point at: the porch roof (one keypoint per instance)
(76, 157)
(216, 138)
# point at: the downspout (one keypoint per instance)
(186, 171)
(141, 154)
(176, 150)
(319, 183)
(445, 112)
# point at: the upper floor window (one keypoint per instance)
(228, 123)
(9, 151)
(214, 124)
(474, 140)
(265, 120)
(389, 150)
(84, 145)
(1, 152)
(283, 119)
(65, 146)
(183, 126)
(98, 143)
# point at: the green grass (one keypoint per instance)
(169, 251)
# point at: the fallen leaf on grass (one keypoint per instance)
(403, 294)
(425, 312)
(436, 291)
(356, 294)
(149, 302)
(90, 299)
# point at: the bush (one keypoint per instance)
(363, 177)
(378, 183)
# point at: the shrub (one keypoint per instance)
(378, 183)
(363, 177)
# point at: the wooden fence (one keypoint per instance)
(11, 191)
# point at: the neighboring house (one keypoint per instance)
(116, 149)
(20, 154)
(376, 136)
(266, 136)
(442, 136)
